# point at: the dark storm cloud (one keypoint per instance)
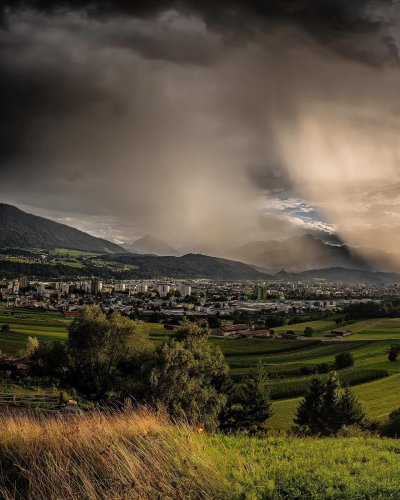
(192, 120)
(326, 20)
(335, 14)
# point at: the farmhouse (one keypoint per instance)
(231, 330)
(251, 332)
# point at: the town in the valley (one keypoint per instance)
(257, 306)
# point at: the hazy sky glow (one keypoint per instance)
(205, 128)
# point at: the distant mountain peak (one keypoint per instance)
(149, 244)
(306, 252)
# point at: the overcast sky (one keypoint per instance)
(205, 126)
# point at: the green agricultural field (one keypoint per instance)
(375, 329)
(46, 326)
(319, 326)
(297, 354)
(289, 362)
(72, 263)
(71, 253)
(379, 398)
(370, 329)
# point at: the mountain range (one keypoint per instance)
(297, 258)
(307, 252)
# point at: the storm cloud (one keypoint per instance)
(206, 125)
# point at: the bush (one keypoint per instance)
(308, 331)
(5, 328)
(391, 428)
(393, 352)
(344, 360)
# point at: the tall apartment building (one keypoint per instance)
(163, 290)
(185, 290)
(96, 287)
(23, 281)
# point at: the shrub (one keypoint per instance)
(393, 352)
(32, 345)
(391, 428)
(344, 360)
(5, 328)
(308, 331)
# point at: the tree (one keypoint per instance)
(254, 404)
(5, 328)
(308, 331)
(97, 344)
(31, 347)
(393, 352)
(350, 411)
(51, 359)
(189, 329)
(189, 378)
(308, 414)
(330, 420)
(325, 408)
(344, 360)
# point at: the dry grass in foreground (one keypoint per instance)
(140, 455)
(98, 456)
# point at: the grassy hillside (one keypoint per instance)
(19, 229)
(64, 263)
(188, 266)
(139, 455)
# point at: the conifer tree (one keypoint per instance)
(351, 411)
(325, 408)
(330, 407)
(249, 406)
(256, 403)
(309, 411)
